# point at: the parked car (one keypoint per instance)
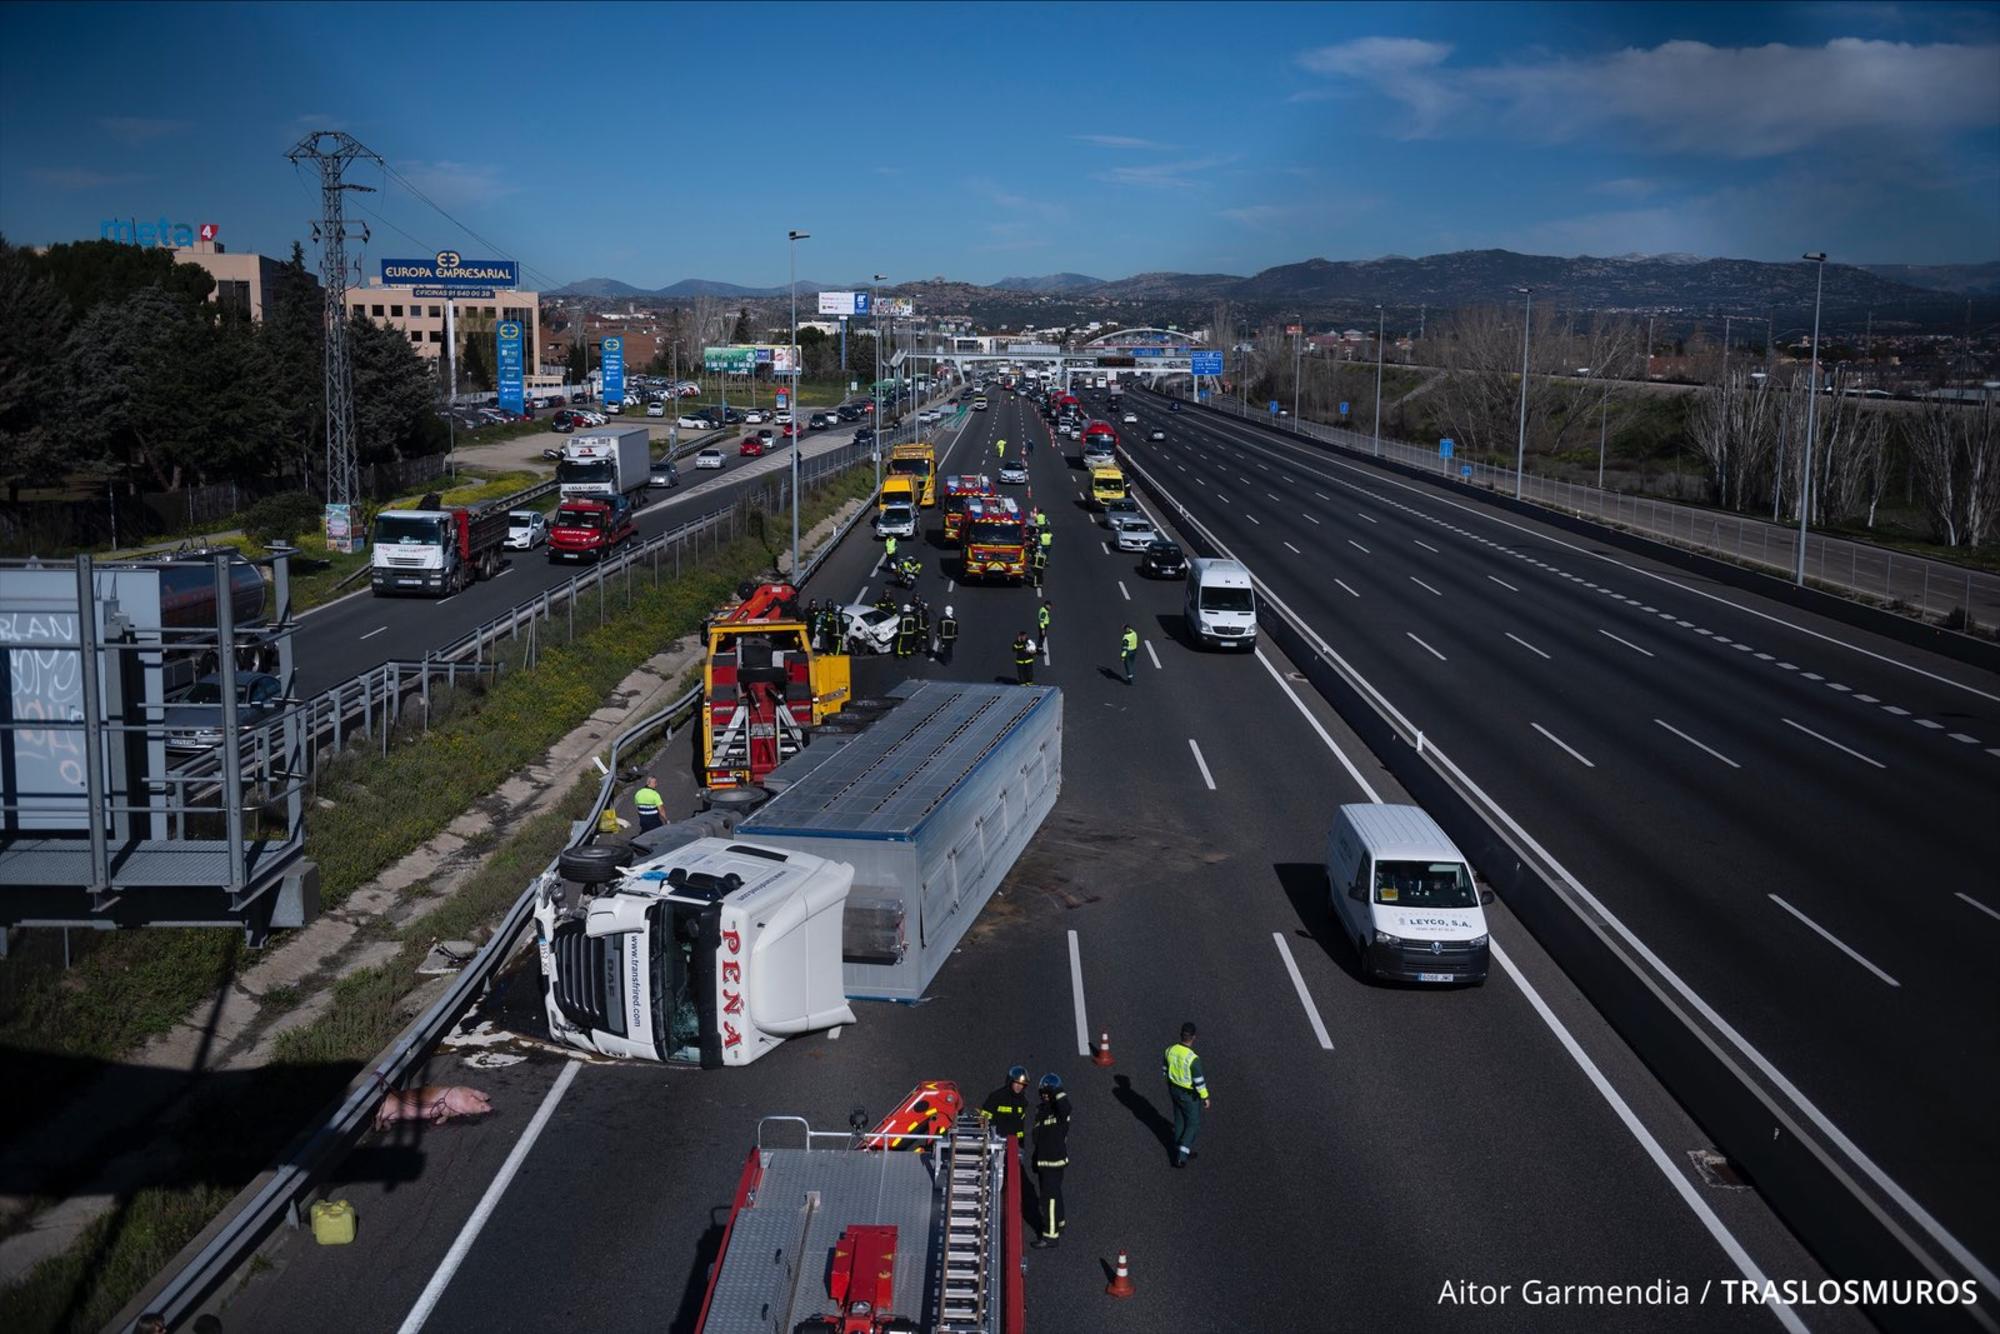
(751, 447)
(194, 724)
(527, 529)
(695, 424)
(708, 458)
(865, 436)
(665, 473)
(755, 417)
(1164, 559)
(1133, 532)
(782, 418)
(1013, 473)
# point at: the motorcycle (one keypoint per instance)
(905, 572)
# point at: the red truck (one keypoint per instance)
(995, 540)
(591, 528)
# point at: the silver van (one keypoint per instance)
(1221, 604)
(1405, 896)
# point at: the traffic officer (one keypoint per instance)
(906, 632)
(1024, 659)
(1042, 617)
(1001, 445)
(1128, 649)
(947, 637)
(1189, 1091)
(1051, 1159)
(651, 805)
(889, 553)
(1006, 1108)
(1048, 538)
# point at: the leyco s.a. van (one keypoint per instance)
(1405, 896)
(1221, 605)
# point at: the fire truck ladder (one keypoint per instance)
(974, 1207)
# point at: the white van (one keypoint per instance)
(1221, 605)
(1405, 896)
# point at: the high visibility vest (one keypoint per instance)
(889, 546)
(1041, 557)
(1048, 538)
(909, 623)
(1129, 641)
(948, 629)
(648, 799)
(1182, 1070)
(1042, 619)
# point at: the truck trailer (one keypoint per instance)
(436, 550)
(606, 463)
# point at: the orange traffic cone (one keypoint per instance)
(1102, 1056)
(1121, 1282)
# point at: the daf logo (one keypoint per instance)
(448, 259)
(1437, 947)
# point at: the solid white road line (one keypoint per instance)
(1977, 904)
(1651, 1146)
(1426, 647)
(1106, 546)
(1357, 546)
(1560, 742)
(1206, 776)
(428, 1300)
(1343, 583)
(1696, 744)
(1124, 590)
(1428, 547)
(1834, 940)
(1626, 642)
(1154, 656)
(1831, 742)
(862, 596)
(1525, 644)
(1305, 997)
(380, 629)
(1294, 550)
(1076, 993)
(1503, 583)
(1309, 518)
(1338, 753)
(1421, 584)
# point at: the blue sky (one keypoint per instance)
(652, 143)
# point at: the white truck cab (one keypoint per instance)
(711, 954)
(1405, 896)
(1221, 605)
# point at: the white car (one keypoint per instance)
(695, 424)
(1131, 419)
(592, 418)
(708, 458)
(896, 521)
(781, 418)
(1014, 474)
(656, 409)
(1132, 532)
(1156, 434)
(527, 529)
(868, 629)
(754, 417)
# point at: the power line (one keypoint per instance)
(412, 187)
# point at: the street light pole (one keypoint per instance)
(1378, 382)
(1812, 405)
(798, 436)
(1298, 347)
(876, 421)
(1521, 442)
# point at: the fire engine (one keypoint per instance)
(763, 687)
(995, 538)
(956, 490)
(913, 1226)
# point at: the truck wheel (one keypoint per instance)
(594, 863)
(737, 801)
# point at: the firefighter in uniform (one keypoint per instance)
(1038, 564)
(885, 602)
(947, 638)
(1024, 659)
(1189, 1091)
(923, 626)
(906, 632)
(1006, 1108)
(1051, 1159)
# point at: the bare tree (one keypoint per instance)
(1734, 426)
(1955, 456)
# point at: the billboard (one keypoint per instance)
(1294, 330)
(730, 360)
(513, 387)
(896, 307)
(614, 369)
(843, 303)
(450, 269)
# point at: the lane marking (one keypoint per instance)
(427, 1301)
(1274, 497)
(1831, 742)
(1122, 589)
(1296, 552)
(1526, 645)
(950, 585)
(862, 596)
(1076, 992)
(1627, 643)
(1421, 584)
(1343, 583)
(1503, 583)
(1371, 518)
(1696, 744)
(1565, 745)
(1653, 1150)
(1426, 647)
(1338, 753)
(380, 629)
(1309, 518)
(1357, 546)
(1305, 997)
(1253, 518)
(1106, 546)
(1427, 547)
(1206, 776)
(1154, 656)
(1834, 940)
(1995, 915)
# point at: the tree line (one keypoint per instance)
(116, 365)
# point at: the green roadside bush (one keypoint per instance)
(281, 518)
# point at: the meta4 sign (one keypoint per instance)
(171, 235)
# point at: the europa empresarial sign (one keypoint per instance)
(448, 268)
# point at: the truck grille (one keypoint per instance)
(1452, 956)
(586, 980)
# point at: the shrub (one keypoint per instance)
(281, 518)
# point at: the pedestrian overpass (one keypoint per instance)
(1143, 353)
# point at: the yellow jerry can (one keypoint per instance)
(333, 1222)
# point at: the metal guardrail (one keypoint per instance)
(282, 1190)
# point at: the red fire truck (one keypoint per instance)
(995, 539)
(957, 490)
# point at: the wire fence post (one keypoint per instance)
(368, 705)
(426, 687)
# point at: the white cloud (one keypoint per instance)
(1120, 141)
(1627, 187)
(137, 131)
(83, 178)
(1169, 175)
(460, 183)
(1014, 202)
(1682, 96)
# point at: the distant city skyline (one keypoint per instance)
(967, 146)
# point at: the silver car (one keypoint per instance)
(1133, 532)
(527, 529)
(194, 724)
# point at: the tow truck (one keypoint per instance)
(917, 461)
(954, 493)
(913, 1227)
(763, 687)
(995, 539)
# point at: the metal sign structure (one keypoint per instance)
(843, 303)
(449, 269)
(613, 350)
(513, 384)
(1206, 363)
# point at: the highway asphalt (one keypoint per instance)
(1794, 814)
(1369, 1148)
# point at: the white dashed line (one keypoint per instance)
(1977, 904)
(1124, 590)
(1076, 994)
(1309, 518)
(1696, 744)
(1206, 777)
(1968, 740)
(1427, 648)
(1343, 583)
(1835, 941)
(1253, 518)
(1106, 546)
(376, 631)
(1428, 547)
(1627, 643)
(1305, 997)
(1831, 742)
(1357, 546)
(1154, 656)
(1503, 583)
(1525, 644)
(1294, 550)
(1371, 518)
(1565, 745)
(1421, 584)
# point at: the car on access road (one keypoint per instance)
(1131, 419)
(755, 417)
(708, 458)
(657, 408)
(527, 529)
(750, 448)
(664, 472)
